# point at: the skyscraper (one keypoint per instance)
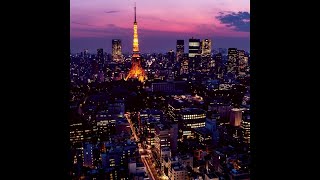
(245, 125)
(241, 54)
(194, 47)
(136, 70)
(232, 59)
(206, 47)
(100, 59)
(116, 50)
(180, 49)
(190, 118)
(218, 60)
(85, 53)
(170, 55)
(235, 116)
(184, 66)
(241, 60)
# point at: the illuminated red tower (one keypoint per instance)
(136, 70)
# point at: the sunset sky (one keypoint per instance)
(94, 23)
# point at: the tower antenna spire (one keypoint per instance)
(135, 16)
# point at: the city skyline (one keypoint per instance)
(94, 25)
(163, 105)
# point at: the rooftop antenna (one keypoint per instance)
(135, 17)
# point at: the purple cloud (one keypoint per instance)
(240, 21)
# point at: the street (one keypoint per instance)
(151, 171)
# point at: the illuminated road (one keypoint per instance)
(151, 171)
(132, 128)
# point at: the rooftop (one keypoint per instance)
(188, 111)
(140, 164)
(203, 131)
(163, 126)
(151, 111)
(212, 175)
(165, 149)
(185, 157)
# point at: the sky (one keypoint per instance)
(94, 23)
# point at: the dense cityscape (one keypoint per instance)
(180, 115)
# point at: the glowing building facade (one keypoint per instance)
(232, 59)
(206, 47)
(191, 118)
(136, 70)
(194, 47)
(245, 125)
(116, 50)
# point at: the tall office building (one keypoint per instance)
(246, 60)
(85, 53)
(184, 66)
(218, 62)
(232, 59)
(241, 57)
(87, 154)
(206, 47)
(95, 67)
(180, 49)
(100, 58)
(116, 50)
(191, 118)
(76, 131)
(245, 125)
(106, 126)
(170, 55)
(165, 136)
(194, 47)
(235, 117)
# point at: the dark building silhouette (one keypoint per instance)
(100, 58)
(170, 55)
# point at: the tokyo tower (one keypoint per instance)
(136, 70)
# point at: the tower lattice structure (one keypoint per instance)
(136, 70)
